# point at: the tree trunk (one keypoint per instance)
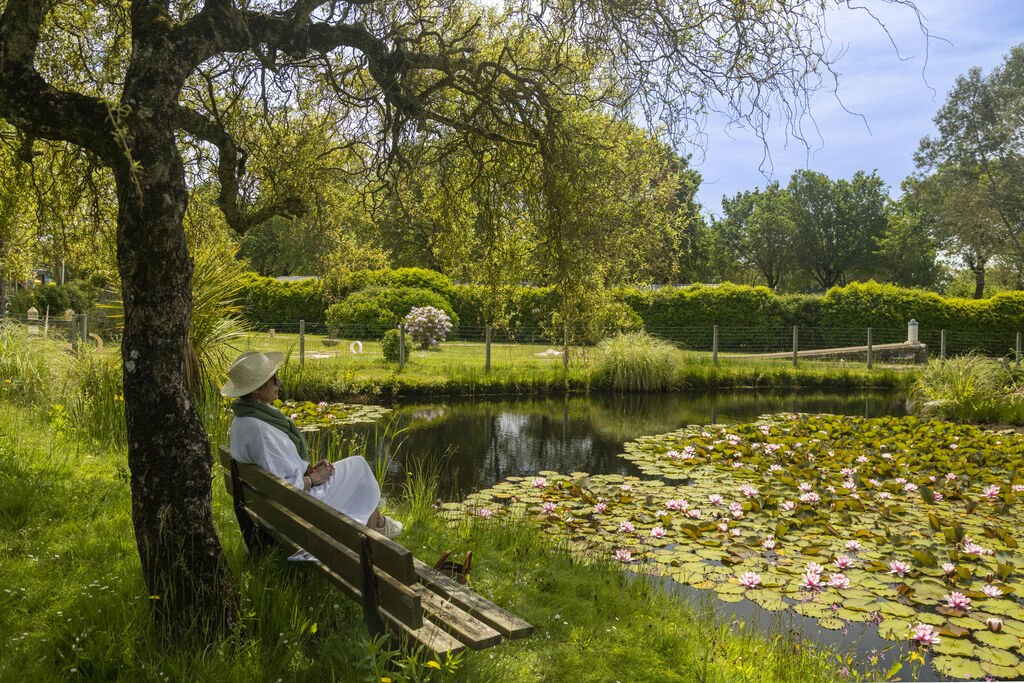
(187, 577)
(979, 281)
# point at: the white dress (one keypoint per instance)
(352, 489)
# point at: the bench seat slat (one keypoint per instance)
(503, 621)
(396, 597)
(388, 555)
(464, 626)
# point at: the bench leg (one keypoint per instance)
(256, 537)
(370, 600)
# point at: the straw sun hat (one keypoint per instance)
(250, 371)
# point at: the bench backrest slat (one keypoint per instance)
(387, 555)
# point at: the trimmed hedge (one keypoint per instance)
(687, 314)
(269, 302)
(369, 313)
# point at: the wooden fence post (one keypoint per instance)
(1017, 361)
(942, 347)
(869, 348)
(796, 343)
(565, 346)
(401, 346)
(302, 342)
(714, 345)
(487, 355)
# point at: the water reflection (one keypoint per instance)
(480, 442)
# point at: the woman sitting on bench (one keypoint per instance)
(262, 435)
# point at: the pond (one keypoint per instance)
(472, 445)
(477, 443)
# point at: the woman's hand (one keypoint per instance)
(320, 472)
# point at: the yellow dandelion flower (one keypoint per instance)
(432, 663)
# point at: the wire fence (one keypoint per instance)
(486, 347)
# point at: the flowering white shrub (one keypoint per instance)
(427, 325)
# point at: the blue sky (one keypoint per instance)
(897, 94)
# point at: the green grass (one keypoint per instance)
(75, 606)
(457, 368)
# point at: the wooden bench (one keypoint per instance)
(401, 595)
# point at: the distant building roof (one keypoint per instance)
(296, 278)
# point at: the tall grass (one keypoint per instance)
(635, 361)
(970, 388)
(31, 367)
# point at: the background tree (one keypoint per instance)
(971, 174)
(907, 251)
(837, 224)
(398, 71)
(759, 230)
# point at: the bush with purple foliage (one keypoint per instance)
(427, 326)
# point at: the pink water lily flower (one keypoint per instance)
(950, 476)
(990, 491)
(838, 581)
(693, 513)
(884, 494)
(1017, 488)
(899, 568)
(600, 507)
(625, 487)
(677, 504)
(810, 497)
(787, 505)
(853, 546)
(548, 507)
(957, 600)
(925, 634)
(814, 568)
(995, 624)
(768, 543)
(623, 556)
(658, 532)
(937, 495)
(844, 561)
(948, 567)
(672, 454)
(849, 484)
(723, 526)
(484, 513)
(540, 482)
(661, 513)
(806, 487)
(774, 468)
(810, 580)
(715, 499)
(910, 487)
(862, 458)
(749, 580)
(972, 548)
(901, 480)
(626, 527)
(748, 490)
(992, 591)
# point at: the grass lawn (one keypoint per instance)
(338, 371)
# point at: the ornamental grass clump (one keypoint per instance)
(31, 367)
(427, 326)
(970, 388)
(635, 361)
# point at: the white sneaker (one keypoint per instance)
(301, 555)
(391, 528)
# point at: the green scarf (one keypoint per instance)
(247, 407)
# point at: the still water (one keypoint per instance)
(473, 444)
(479, 442)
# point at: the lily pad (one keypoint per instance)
(996, 656)
(958, 668)
(953, 646)
(1003, 641)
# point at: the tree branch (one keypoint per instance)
(36, 107)
(230, 167)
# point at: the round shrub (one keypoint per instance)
(428, 326)
(635, 361)
(391, 345)
(369, 313)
